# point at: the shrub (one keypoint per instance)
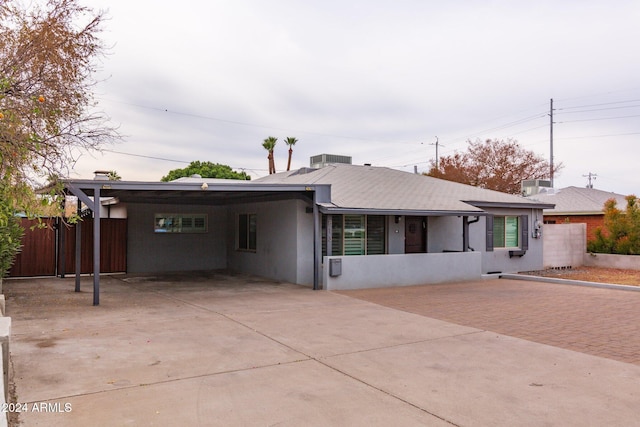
(621, 232)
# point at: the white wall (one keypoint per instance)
(118, 210)
(148, 251)
(376, 271)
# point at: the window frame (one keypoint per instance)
(354, 238)
(502, 233)
(247, 232)
(172, 223)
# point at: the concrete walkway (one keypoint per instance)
(242, 351)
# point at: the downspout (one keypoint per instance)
(465, 233)
(469, 223)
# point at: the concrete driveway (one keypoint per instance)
(214, 349)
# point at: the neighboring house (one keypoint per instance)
(577, 205)
(338, 227)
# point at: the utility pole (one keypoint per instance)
(437, 156)
(590, 176)
(551, 142)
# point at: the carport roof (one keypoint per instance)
(195, 192)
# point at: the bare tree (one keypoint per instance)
(494, 164)
(48, 56)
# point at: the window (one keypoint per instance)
(507, 232)
(355, 235)
(247, 226)
(180, 223)
(375, 235)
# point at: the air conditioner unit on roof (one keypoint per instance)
(321, 160)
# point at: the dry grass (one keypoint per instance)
(594, 274)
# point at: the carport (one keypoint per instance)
(193, 192)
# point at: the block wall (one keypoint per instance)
(564, 245)
(592, 222)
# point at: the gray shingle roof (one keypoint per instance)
(578, 201)
(381, 188)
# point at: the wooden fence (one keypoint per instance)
(50, 251)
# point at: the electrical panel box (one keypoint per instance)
(335, 267)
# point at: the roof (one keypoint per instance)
(578, 201)
(390, 191)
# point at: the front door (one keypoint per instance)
(415, 233)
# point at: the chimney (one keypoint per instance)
(101, 175)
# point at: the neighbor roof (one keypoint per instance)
(578, 201)
(391, 191)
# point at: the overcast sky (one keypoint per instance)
(376, 80)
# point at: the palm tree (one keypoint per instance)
(269, 144)
(290, 141)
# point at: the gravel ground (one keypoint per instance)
(592, 274)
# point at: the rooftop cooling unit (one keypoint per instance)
(530, 187)
(322, 160)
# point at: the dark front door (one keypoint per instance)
(415, 232)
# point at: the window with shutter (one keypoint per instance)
(507, 232)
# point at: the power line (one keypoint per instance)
(598, 109)
(600, 136)
(599, 105)
(239, 123)
(601, 118)
(170, 160)
(146, 157)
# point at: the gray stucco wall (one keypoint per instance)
(284, 241)
(395, 235)
(162, 252)
(444, 234)
(498, 260)
(376, 271)
(304, 245)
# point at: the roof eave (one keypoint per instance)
(404, 212)
(582, 213)
(510, 205)
(188, 186)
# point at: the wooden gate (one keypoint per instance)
(39, 256)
